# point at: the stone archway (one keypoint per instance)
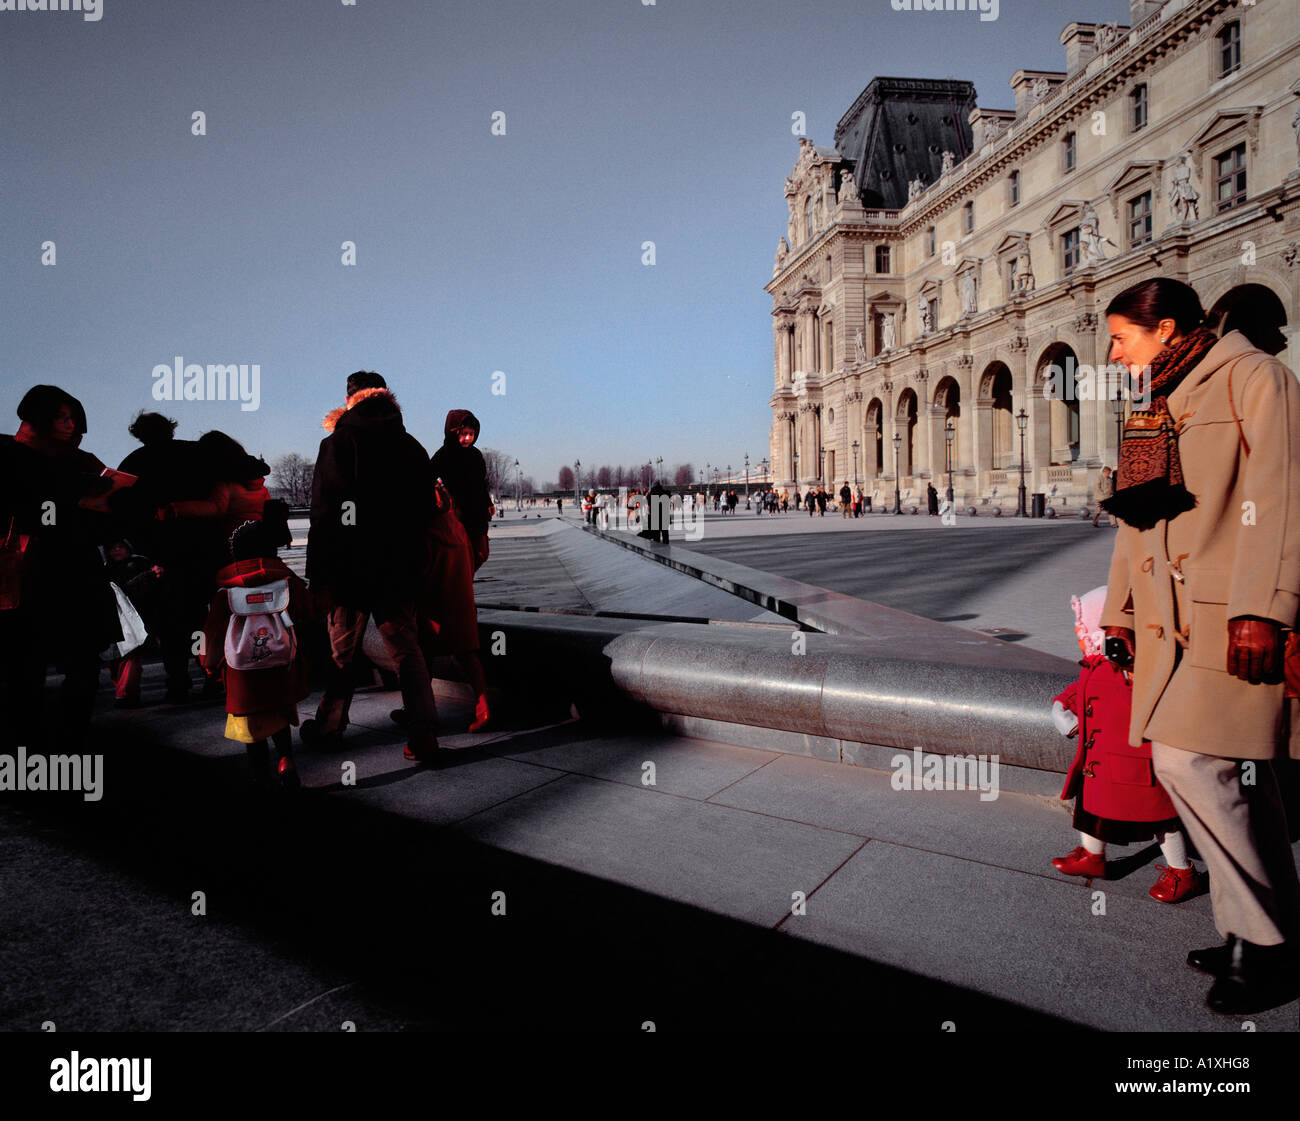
(873, 440)
(905, 421)
(995, 394)
(947, 399)
(1058, 367)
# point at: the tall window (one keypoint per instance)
(1138, 102)
(1013, 188)
(1139, 220)
(1069, 151)
(1070, 250)
(877, 333)
(968, 217)
(1230, 178)
(929, 241)
(882, 258)
(1229, 49)
(934, 311)
(808, 217)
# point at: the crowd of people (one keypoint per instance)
(179, 544)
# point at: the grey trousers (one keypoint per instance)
(1240, 831)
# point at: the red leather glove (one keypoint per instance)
(1255, 650)
(1122, 633)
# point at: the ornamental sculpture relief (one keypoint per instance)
(1092, 244)
(1184, 199)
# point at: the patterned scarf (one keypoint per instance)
(1149, 487)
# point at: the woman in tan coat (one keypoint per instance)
(1204, 578)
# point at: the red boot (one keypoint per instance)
(1080, 862)
(1175, 884)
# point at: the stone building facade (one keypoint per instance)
(946, 264)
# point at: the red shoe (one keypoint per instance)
(1175, 884)
(422, 748)
(1080, 862)
(288, 774)
(482, 716)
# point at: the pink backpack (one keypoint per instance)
(260, 634)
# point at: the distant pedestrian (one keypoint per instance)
(932, 499)
(846, 500)
(822, 499)
(1105, 488)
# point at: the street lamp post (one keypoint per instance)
(577, 498)
(796, 471)
(1022, 419)
(519, 493)
(898, 497)
(747, 480)
(855, 463)
(949, 432)
(1119, 430)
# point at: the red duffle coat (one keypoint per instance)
(1116, 781)
(261, 690)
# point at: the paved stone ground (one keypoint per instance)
(625, 903)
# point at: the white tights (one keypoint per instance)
(1172, 844)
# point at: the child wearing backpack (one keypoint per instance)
(250, 637)
(1118, 798)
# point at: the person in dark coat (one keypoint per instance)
(66, 613)
(459, 546)
(846, 500)
(932, 499)
(821, 502)
(372, 499)
(189, 550)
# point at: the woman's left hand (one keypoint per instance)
(1255, 650)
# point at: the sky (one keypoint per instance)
(477, 254)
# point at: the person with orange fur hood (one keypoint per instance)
(367, 549)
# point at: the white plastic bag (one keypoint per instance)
(134, 633)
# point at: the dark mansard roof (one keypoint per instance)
(898, 130)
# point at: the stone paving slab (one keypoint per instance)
(723, 860)
(1030, 940)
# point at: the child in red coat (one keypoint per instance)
(1118, 798)
(251, 620)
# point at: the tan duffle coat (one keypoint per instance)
(1236, 553)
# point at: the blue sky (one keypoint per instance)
(371, 123)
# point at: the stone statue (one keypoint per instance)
(857, 345)
(1295, 127)
(819, 211)
(914, 188)
(1023, 272)
(1107, 35)
(949, 162)
(1092, 245)
(782, 251)
(927, 316)
(887, 331)
(1184, 199)
(1038, 91)
(790, 226)
(969, 299)
(848, 192)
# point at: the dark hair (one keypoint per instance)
(1149, 301)
(365, 379)
(41, 404)
(152, 428)
(1255, 311)
(225, 460)
(250, 541)
(275, 521)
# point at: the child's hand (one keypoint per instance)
(1066, 722)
